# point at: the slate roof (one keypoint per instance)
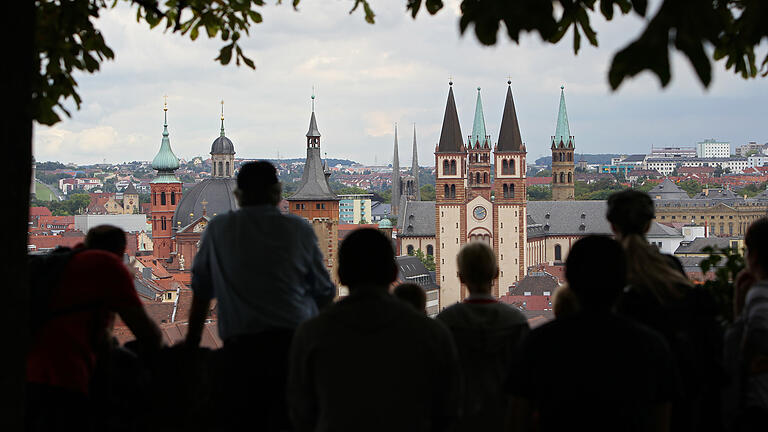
(411, 269)
(634, 158)
(313, 130)
(416, 219)
(218, 194)
(379, 208)
(130, 190)
(222, 145)
(509, 132)
(660, 230)
(668, 190)
(314, 184)
(451, 139)
(717, 194)
(570, 217)
(699, 243)
(537, 283)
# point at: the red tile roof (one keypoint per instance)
(45, 242)
(39, 211)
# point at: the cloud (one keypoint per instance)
(368, 77)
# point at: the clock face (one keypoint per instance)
(479, 212)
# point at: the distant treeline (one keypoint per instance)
(330, 161)
(590, 158)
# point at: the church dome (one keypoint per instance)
(222, 145)
(385, 224)
(211, 196)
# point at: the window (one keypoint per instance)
(173, 198)
(485, 177)
(162, 198)
(410, 250)
(169, 296)
(512, 167)
(506, 191)
(228, 173)
(554, 178)
(570, 178)
(430, 250)
(504, 167)
(558, 253)
(453, 167)
(478, 178)
(446, 167)
(162, 223)
(562, 177)
(453, 191)
(298, 206)
(511, 191)
(317, 206)
(447, 192)
(154, 198)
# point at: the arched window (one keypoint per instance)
(162, 198)
(430, 250)
(558, 253)
(485, 177)
(162, 222)
(453, 167)
(511, 191)
(562, 177)
(478, 178)
(447, 193)
(512, 167)
(570, 178)
(410, 249)
(504, 167)
(173, 198)
(228, 173)
(570, 157)
(453, 191)
(506, 191)
(471, 178)
(221, 169)
(154, 198)
(554, 178)
(446, 167)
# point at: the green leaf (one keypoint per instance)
(225, 54)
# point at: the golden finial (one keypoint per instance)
(222, 109)
(165, 102)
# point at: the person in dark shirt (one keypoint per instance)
(413, 295)
(660, 296)
(593, 370)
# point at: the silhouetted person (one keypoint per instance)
(487, 335)
(413, 295)
(593, 370)
(564, 302)
(659, 295)
(371, 362)
(92, 286)
(748, 348)
(267, 273)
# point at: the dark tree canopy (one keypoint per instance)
(705, 31)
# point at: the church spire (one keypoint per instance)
(395, 200)
(222, 117)
(415, 165)
(478, 127)
(450, 136)
(165, 162)
(509, 133)
(563, 130)
(313, 131)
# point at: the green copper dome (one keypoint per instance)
(478, 126)
(165, 162)
(385, 224)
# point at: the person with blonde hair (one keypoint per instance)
(660, 295)
(487, 335)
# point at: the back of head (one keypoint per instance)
(756, 241)
(596, 272)
(106, 237)
(366, 258)
(477, 264)
(630, 211)
(257, 183)
(412, 294)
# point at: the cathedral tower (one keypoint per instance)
(397, 188)
(315, 201)
(563, 165)
(450, 202)
(509, 204)
(166, 193)
(479, 148)
(223, 153)
(411, 186)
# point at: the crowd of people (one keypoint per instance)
(634, 346)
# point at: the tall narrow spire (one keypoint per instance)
(478, 127)
(313, 131)
(563, 130)
(450, 136)
(222, 117)
(415, 166)
(395, 200)
(509, 133)
(165, 162)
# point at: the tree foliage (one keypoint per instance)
(67, 40)
(427, 260)
(703, 31)
(427, 192)
(721, 286)
(539, 193)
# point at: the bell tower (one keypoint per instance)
(166, 194)
(479, 151)
(563, 165)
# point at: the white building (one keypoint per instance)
(672, 152)
(126, 222)
(665, 166)
(757, 161)
(711, 148)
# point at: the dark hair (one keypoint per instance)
(630, 211)
(106, 237)
(412, 294)
(258, 183)
(596, 271)
(756, 241)
(366, 256)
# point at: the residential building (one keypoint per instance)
(355, 209)
(750, 147)
(712, 148)
(672, 152)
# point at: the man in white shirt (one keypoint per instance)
(371, 362)
(267, 273)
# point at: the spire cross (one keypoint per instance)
(205, 204)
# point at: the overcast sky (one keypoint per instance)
(367, 77)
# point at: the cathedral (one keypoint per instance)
(477, 200)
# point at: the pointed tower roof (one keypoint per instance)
(313, 131)
(314, 184)
(130, 190)
(478, 127)
(395, 173)
(563, 130)
(415, 165)
(165, 162)
(509, 132)
(450, 136)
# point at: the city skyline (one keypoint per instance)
(368, 77)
